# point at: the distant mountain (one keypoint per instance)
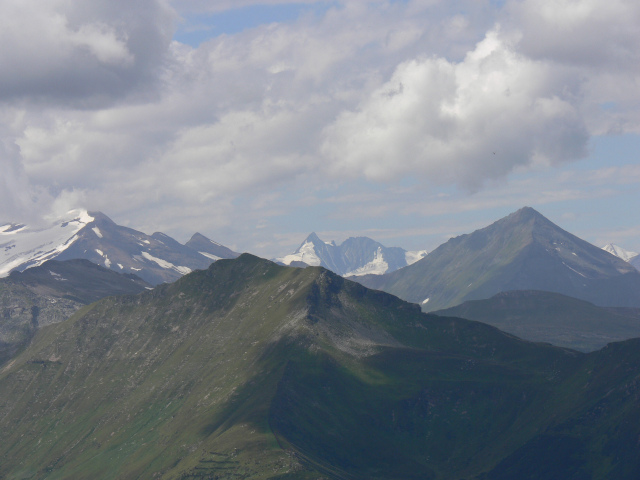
(553, 318)
(523, 251)
(156, 258)
(620, 252)
(354, 257)
(51, 293)
(209, 248)
(253, 370)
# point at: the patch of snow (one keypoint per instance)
(121, 267)
(11, 229)
(107, 262)
(573, 269)
(97, 231)
(100, 252)
(414, 256)
(306, 253)
(377, 266)
(168, 265)
(58, 277)
(620, 252)
(425, 301)
(136, 269)
(210, 256)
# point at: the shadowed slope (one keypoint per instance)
(551, 317)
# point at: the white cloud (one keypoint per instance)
(460, 122)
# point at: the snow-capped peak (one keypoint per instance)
(305, 253)
(23, 244)
(619, 252)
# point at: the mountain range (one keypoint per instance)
(523, 251)
(257, 371)
(93, 236)
(354, 257)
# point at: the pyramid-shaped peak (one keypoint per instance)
(199, 239)
(313, 238)
(527, 213)
(196, 237)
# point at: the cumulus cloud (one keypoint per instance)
(461, 122)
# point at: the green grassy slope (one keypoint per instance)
(255, 371)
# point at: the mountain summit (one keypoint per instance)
(93, 236)
(354, 257)
(523, 251)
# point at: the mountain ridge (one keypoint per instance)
(551, 317)
(354, 257)
(156, 258)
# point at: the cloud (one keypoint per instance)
(76, 53)
(103, 107)
(461, 122)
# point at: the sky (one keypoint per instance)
(257, 122)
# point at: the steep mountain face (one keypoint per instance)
(51, 293)
(256, 371)
(156, 258)
(354, 257)
(523, 251)
(553, 318)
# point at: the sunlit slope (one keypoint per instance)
(252, 370)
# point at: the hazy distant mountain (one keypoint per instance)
(156, 258)
(209, 248)
(553, 318)
(51, 293)
(523, 251)
(354, 257)
(620, 252)
(257, 371)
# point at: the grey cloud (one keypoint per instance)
(81, 53)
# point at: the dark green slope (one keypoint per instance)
(252, 370)
(551, 317)
(523, 251)
(51, 293)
